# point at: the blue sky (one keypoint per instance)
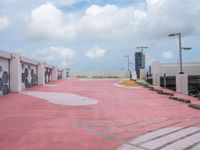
(96, 34)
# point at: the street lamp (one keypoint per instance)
(180, 50)
(67, 69)
(142, 50)
(129, 71)
(128, 61)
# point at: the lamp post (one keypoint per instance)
(128, 59)
(142, 50)
(180, 50)
(67, 68)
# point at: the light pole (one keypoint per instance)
(128, 61)
(67, 69)
(129, 71)
(143, 59)
(180, 50)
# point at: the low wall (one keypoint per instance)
(18, 73)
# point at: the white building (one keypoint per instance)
(171, 70)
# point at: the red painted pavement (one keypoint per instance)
(121, 114)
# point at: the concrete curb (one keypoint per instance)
(180, 99)
(195, 106)
(171, 95)
(165, 93)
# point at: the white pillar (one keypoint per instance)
(54, 73)
(142, 74)
(128, 74)
(134, 75)
(182, 83)
(15, 73)
(64, 73)
(41, 73)
(156, 73)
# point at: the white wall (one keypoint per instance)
(20, 72)
(171, 69)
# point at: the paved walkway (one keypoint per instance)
(122, 118)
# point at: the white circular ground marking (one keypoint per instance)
(167, 139)
(62, 98)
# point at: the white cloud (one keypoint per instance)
(8, 1)
(168, 55)
(65, 2)
(116, 27)
(153, 2)
(110, 21)
(96, 52)
(56, 2)
(166, 16)
(4, 22)
(59, 54)
(47, 22)
(159, 19)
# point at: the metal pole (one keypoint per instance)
(67, 75)
(147, 75)
(142, 57)
(180, 54)
(165, 83)
(180, 50)
(128, 63)
(67, 62)
(129, 72)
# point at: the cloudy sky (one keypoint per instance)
(96, 34)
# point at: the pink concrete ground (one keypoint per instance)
(120, 116)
